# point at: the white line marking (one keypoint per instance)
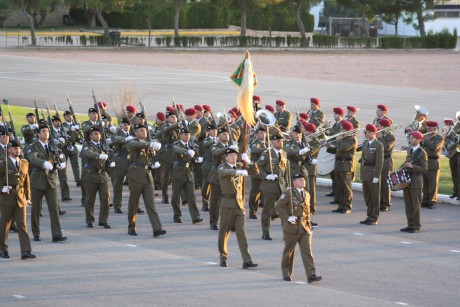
(439, 220)
(131, 245)
(454, 251)
(19, 296)
(300, 282)
(213, 263)
(358, 234)
(401, 303)
(406, 242)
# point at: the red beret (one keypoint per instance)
(130, 108)
(346, 125)
(448, 122)
(233, 113)
(190, 111)
(280, 103)
(256, 98)
(170, 109)
(180, 106)
(339, 111)
(101, 104)
(315, 101)
(382, 107)
(371, 128)
(309, 127)
(269, 108)
(351, 108)
(304, 116)
(198, 107)
(234, 109)
(207, 108)
(431, 123)
(385, 122)
(416, 134)
(161, 116)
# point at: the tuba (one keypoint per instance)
(419, 117)
(452, 138)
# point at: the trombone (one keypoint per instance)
(332, 138)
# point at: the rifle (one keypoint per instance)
(52, 145)
(104, 144)
(178, 112)
(12, 124)
(37, 115)
(81, 137)
(6, 153)
(228, 128)
(304, 138)
(149, 137)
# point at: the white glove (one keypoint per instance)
(271, 177)
(112, 164)
(292, 219)
(191, 153)
(70, 148)
(6, 189)
(60, 166)
(375, 180)
(48, 166)
(61, 156)
(150, 128)
(245, 158)
(242, 172)
(155, 145)
(128, 138)
(156, 165)
(314, 161)
(199, 160)
(35, 126)
(103, 156)
(113, 129)
(74, 127)
(108, 140)
(29, 203)
(62, 140)
(234, 147)
(304, 150)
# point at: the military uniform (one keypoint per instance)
(433, 148)
(284, 119)
(85, 127)
(141, 182)
(371, 167)
(297, 161)
(169, 136)
(377, 119)
(297, 233)
(195, 133)
(454, 164)
(315, 146)
(354, 122)
(271, 189)
(183, 179)
(413, 193)
(255, 195)
(206, 168)
(120, 170)
(336, 128)
(317, 117)
(62, 173)
(344, 168)
(218, 157)
(71, 151)
(43, 183)
(29, 133)
(96, 179)
(13, 205)
(232, 212)
(388, 141)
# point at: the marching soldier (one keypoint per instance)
(432, 144)
(71, 151)
(29, 130)
(315, 145)
(96, 179)
(169, 136)
(43, 162)
(336, 128)
(294, 210)
(258, 146)
(4, 140)
(183, 179)
(195, 132)
(297, 153)
(344, 167)
(207, 113)
(256, 103)
(141, 181)
(207, 164)
(14, 199)
(454, 165)
(218, 157)
(381, 114)
(351, 116)
(131, 113)
(416, 165)
(232, 213)
(317, 116)
(203, 121)
(60, 139)
(371, 170)
(283, 117)
(388, 141)
(121, 158)
(270, 109)
(235, 131)
(272, 166)
(156, 134)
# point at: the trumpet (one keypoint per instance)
(332, 138)
(452, 138)
(390, 128)
(431, 134)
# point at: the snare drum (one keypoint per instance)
(398, 180)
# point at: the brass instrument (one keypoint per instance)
(419, 117)
(390, 128)
(332, 138)
(267, 119)
(431, 134)
(452, 138)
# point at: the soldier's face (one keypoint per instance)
(313, 106)
(95, 136)
(212, 133)
(350, 114)
(56, 123)
(277, 144)
(337, 117)
(129, 114)
(279, 108)
(14, 151)
(370, 135)
(431, 129)
(414, 141)
(261, 135)
(296, 136)
(68, 118)
(31, 119)
(141, 133)
(190, 118)
(124, 126)
(299, 183)
(139, 121)
(92, 116)
(379, 113)
(231, 158)
(4, 139)
(224, 137)
(43, 134)
(172, 119)
(185, 137)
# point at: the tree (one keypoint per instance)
(391, 12)
(366, 8)
(25, 6)
(40, 9)
(419, 12)
(178, 4)
(6, 7)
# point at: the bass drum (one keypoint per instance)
(326, 162)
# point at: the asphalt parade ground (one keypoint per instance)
(361, 265)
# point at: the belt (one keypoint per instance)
(387, 156)
(139, 164)
(181, 163)
(433, 158)
(94, 169)
(369, 164)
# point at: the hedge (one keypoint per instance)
(443, 40)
